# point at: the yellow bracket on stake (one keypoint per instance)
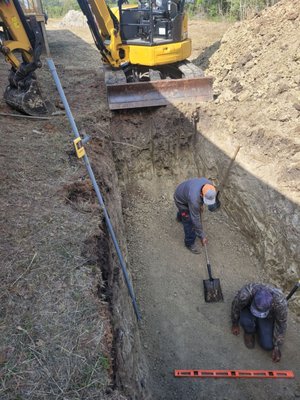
(80, 151)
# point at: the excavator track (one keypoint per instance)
(190, 70)
(192, 86)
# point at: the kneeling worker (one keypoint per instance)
(189, 198)
(260, 309)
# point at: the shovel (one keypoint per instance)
(212, 287)
(295, 288)
(217, 204)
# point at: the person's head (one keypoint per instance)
(261, 303)
(208, 194)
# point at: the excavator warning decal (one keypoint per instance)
(15, 22)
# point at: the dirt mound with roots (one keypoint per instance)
(257, 78)
(257, 75)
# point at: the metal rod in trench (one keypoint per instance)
(95, 185)
(295, 288)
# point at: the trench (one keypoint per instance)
(151, 152)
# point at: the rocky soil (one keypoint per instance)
(256, 72)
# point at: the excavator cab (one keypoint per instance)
(153, 23)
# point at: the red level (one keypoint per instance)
(229, 373)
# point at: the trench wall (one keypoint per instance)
(130, 368)
(164, 143)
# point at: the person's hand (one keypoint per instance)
(204, 241)
(235, 330)
(276, 354)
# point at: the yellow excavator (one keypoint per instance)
(144, 49)
(21, 42)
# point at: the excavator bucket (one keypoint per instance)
(159, 93)
(28, 101)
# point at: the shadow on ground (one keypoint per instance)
(203, 59)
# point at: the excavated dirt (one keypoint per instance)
(73, 18)
(257, 78)
(55, 304)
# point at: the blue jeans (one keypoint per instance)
(262, 326)
(189, 232)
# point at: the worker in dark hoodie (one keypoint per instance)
(261, 310)
(190, 197)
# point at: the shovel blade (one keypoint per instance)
(212, 290)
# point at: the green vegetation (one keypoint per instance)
(232, 9)
(58, 8)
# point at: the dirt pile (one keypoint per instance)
(73, 18)
(257, 75)
(257, 79)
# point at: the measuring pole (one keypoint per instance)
(80, 151)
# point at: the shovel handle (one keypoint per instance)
(295, 288)
(223, 183)
(206, 254)
(207, 261)
(209, 272)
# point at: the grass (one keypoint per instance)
(55, 333)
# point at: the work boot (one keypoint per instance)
(249, 340)
(194, 248)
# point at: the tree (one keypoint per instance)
(235, 9)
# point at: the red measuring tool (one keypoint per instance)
(229, 373)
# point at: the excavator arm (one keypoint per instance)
(21, 44)
(105, 29)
